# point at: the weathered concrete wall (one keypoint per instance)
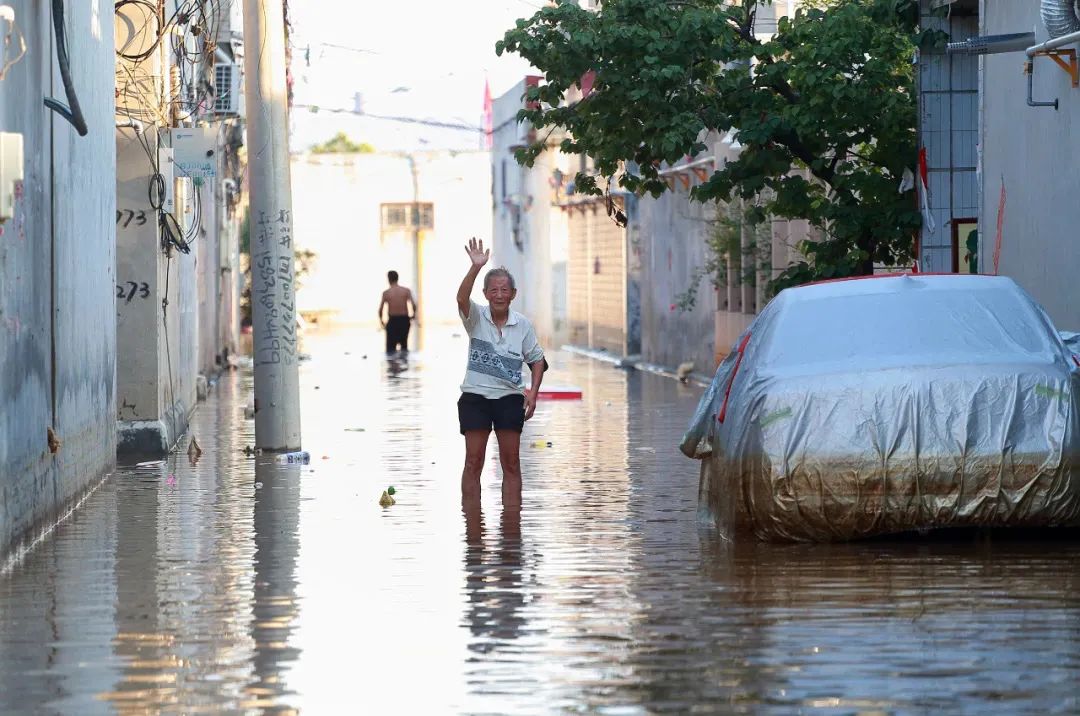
(1034, 153)
(672, 244)
(232, 277)
(158, 346)
(138, 306)
(209, 281)
(179, 348)
(57, 264)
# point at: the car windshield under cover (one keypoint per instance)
(918, 327)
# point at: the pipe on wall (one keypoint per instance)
(1060, 17)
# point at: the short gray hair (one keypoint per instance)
(500, 272)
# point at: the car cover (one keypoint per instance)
(868, 407)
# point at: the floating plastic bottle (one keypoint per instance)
(299, 457)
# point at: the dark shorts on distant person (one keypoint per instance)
(397, 333)
(475, 412)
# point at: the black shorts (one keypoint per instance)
(475, 412)
(397, 333)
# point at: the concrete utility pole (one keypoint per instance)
(273, 299)
(418, 261)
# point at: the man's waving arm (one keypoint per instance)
(478, 257)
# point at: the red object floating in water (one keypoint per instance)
(559, 393)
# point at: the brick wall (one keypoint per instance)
(596, 279)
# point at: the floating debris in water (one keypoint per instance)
(194, 452)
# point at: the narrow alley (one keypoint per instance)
(238, 584)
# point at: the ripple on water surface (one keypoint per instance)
(238, 584)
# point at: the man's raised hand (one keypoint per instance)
(476, 252)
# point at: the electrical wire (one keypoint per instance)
(72, 112)
(407, 120)
(157, 191)
(7, 41)
(192, 30)
(192, 50)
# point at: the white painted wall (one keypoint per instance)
(525, 198)
(1034, 153)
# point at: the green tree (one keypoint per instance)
(825, 110)
(341, 144)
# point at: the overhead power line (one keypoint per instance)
(407, 120)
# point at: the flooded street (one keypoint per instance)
(236, 584)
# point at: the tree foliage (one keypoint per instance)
(341, 144)
(824, 109)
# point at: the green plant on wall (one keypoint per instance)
(727, 255)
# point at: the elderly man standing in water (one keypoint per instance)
(493, 395)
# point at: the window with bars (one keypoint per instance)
(408, 216)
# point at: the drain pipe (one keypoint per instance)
(1045, 46)
(1053, 44)
(130, 123)
(1029, 70)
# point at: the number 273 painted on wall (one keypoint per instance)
(143, 290)
(130, 214)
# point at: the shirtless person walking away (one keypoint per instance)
(493, 396)
(397, 299)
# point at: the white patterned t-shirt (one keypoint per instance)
(497, 359)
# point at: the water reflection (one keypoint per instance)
(494, 578)
(241, 585)
(147, 652)
(275, 606)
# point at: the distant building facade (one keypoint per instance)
(530, 235)
(365, 214)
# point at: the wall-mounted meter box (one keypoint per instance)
(11, 171)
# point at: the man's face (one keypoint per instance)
(499, 294)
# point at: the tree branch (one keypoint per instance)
(841, 152)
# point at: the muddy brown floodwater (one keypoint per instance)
(236, 584)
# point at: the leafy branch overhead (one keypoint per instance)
(824, 109)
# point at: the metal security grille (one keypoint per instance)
(408, 216)
(224, 89)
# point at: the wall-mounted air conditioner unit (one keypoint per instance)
(228, 93)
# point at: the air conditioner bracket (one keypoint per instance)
(1066, 60)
